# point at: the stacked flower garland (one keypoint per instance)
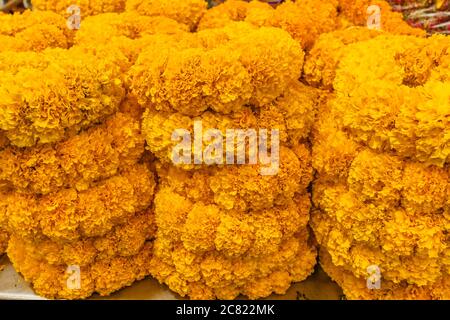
(225, 230)
(75, 194)
(81, 196)
(381, 150)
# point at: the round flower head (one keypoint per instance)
(187, 12)
(323, 59)
(378, 209)
(248, 68)
(405, 112)
(98, 153)
(67, 215)
(61, 281)
(205, 250)
(55, 94)
(356, 288)
(33, 31)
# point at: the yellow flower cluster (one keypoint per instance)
(323, 59)
(187, 12)
(87, 7)
(68, 214)
(228, 230)
(100, 29)
(368, 110)
(293, 114)
(104, 264)
(77, 162)
(125, 35)
(241, 65)
(305, 20)
(400, 101)
(33, 31)
(355, 11)
(73, 186)
(231, 231)
(381, 147)
(52, 95)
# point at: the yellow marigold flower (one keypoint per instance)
(234, 10)
(243, 187)
(187, 12)
(67, 215)
(56, 95)
(253, 68)
(103, 27)
(78, 162)
(292, 114)
(378, 209)
(355, 288)
(205, 252)
(122, 241)
(303, 20)
(102, 276)
(404, 112)
(87, 7)
(33, 31)
(322, 61)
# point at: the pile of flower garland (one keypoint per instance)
(88, 179)
(382, 151)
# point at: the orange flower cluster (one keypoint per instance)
(85, 209)
(76, 195)
(381, 151)
(106, 263)
(33, 31)
(305, 20)
(80, 89)
(87, 7)
(187, 12)
(223, 231)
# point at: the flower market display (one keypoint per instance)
(226, 149)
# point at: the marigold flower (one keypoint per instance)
(103, 27)
(356, 288)
(393, 22)
(187, 12)
(206, 252)
(103, 276)
(323, 59)
(404, 111)
(67, 215)
(303, 20)
(232, 10)
(292, 114)
(243, 187)
(253, 68)
(375, 208)
(33, 31)
(96, 154)
(87, 7)
(55, 95)
(124, 240)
